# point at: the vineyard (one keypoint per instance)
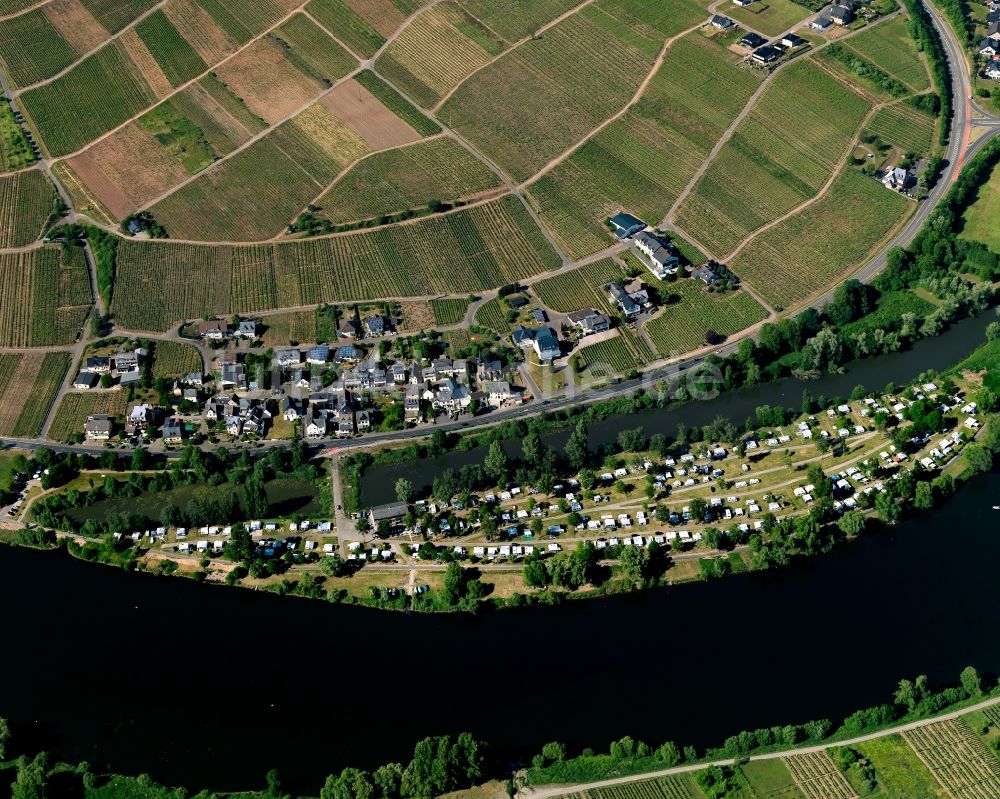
(408, 177)
(899, 770)
(958, 759)
(32, 49)
(491, 315)
(904, 127)
(643, 161)
(312, 50)
(613, 356)
(817, 777)
(356, 31)
(282, 328)
(471, 250)
(26, 200)
(9, 361)
(521, 121)
(783, 152)
(516, 19)
(435, 51)
(890, 47)
(179, 61)
(75, 407)
(45, 297)
(679, 787)
(173, 359)
(683, 326)
(28, 395)
(96, 95)
(808, 251)
(449, 311)
(580, 288)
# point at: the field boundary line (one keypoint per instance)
(25, 10)
(564, 790)
(513, 46)
(89, 53)
(357, 56)
(637, 95)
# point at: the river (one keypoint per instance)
(210, 686)
(378, 483)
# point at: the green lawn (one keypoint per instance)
(770, 17)
(771, 778)
(900, 773)
(981, 217)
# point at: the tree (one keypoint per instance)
(979, 458)
(240, 546)
(577, 447)
(554, 750)
(534, 573)
(140, 459)
(670, 754)
(496, 463)
(4, 737)
(887, 507)
(32, 777)
(697, 509)
(923, 499)
(255, 497)
(531, 448)
(404, 490)
(634, 564)
(906, 695)
(453, 583)
(852, 523)
(971, 682)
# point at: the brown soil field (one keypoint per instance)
(84, 200)
(417, 315)
(146, 64)
(270, 85)
(75, 24)
(19, 390)
(382, 15)
(199, 29)
(361, 111)
(332, 136)
(127, 170)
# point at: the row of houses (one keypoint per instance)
(123, 366)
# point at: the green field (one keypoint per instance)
(98, 94)
(26, 200)
(981, 217)
(398, 104)
(348, 26)
(404, 178)
(471, 250)
(312, 51)
(515, 19)
(116, 14)
(491, 316)
(449, 311)
(817, 246)
(890, 47)
(31, 48)
(44, 297)
(642, 162)
(178, 60)
(232, 125)
(771, 779)
(904, 127)
(900, 773)
(15, 152)
(770, 17)
(244, 19)
(579, 288)
(173, 359)
(540, 98)
(779, 156)
(683, 324)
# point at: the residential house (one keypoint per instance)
(193, 379)
(589, 321)
(411, 404)
(345, 422)
(346, 353)
(546, 344)
(98, 427)
(766, 54)
(662, 255)
(247, 329)
(213, 329)
(393, 514)
(399, 373)
(992, 70)
(618, 296)
(233, 375)
(172, 431)
(523, 337)
(347, 328)
(841, 14)
(374, 325)
(792, 41)
(450, 396)
(363, 421)
(501, 392)
(821, 23)
(993, 31)
(416, 374)
(491, 369)
(286, 358)
(753, 40)
(86, 380)
(291, 409)
(317, 423)
(707, 273)
(625, 225)
(379, 378)
(517, 301)
(720, 22)
(98, 364)
(988, 47)
(126, 362)
(318, 355)
(896, 179)
(140, 418)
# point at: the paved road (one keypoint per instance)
(562, 790)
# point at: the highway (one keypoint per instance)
(960, 148)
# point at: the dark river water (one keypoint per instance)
(208, 686)
(378, 482)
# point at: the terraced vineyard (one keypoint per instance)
(579, 288)
(683, 326)
(679, 787)
(643, 161)
(845, 225)
(173, 359)
(470, 250)
(26, 199)
(491, 316)
(46, 297)
(28, 395)
(817, 777)
(783, 152)
(540, 98)
(75, 407)
(449, 311)
(958, 759)
(904, 126)
(613, 356)
(890, 47)
(280, 329)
